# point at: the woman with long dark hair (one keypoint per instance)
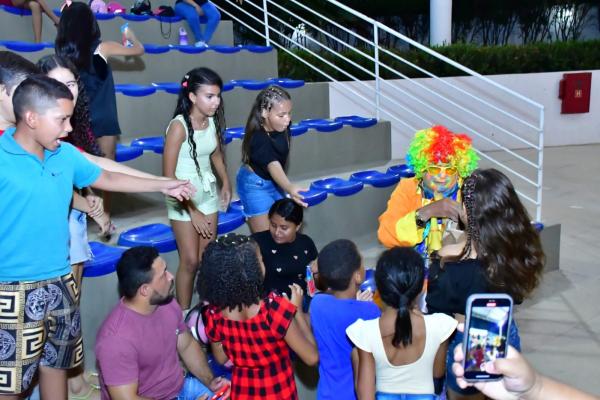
(262, 180)
(193, 141)
(401, 352)
(501, 253)
(79, 40)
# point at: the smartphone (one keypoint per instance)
(487, 324)
(220, 392)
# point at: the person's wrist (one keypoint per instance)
(535, 391)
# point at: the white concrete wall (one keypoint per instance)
(541, 87)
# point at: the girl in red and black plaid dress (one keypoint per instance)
(254, 333)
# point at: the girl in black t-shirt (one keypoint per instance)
(261, 179)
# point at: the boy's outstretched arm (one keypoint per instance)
(117, 182)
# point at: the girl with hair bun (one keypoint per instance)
(194, 141)
(401, 352)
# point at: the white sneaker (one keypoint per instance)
(201, 43)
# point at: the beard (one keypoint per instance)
(160, 300)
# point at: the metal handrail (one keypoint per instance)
(375, 95)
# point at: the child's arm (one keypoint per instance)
(366, 376)
(117, 182)
(218, 160)
(301, 317)
(110, 165)
(298, 336)
(439, 363)
(109, 49)
(218, 352)
(278, 174)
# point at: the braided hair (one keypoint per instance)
(230, 274)
(399, 277)
(82, 135)
(500, 229)
(265, 101)
(190, 83)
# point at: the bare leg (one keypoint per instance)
(53, 383)
(48, 11)
(36, 20)
(188, 242)
(78, 386)
(77, 270)
(108, 146)
(7, 397)
(259, 223)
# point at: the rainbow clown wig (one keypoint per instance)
(437, 145)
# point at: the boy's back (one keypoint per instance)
(330, 317)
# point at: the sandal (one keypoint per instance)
(87, 396)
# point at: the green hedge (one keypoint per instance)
(536, 57)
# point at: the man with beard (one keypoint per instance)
(138, 344)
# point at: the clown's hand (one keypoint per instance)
(445, 208)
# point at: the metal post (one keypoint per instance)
(540, 174)
(377, 82)
(266, 18)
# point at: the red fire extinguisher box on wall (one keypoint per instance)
(574, 90)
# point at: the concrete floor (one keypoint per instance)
(560, 324)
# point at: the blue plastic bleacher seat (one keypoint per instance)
(375, 178)
(159, 236)
(176, 18)
(134, 90)
(190, 49)
(105, 16)
(257, 49)
(154, 143)
(104, 261)
(27, 47)
(229, 221)
(236, 206)
(251, 84)
(298, 129)
(16, 10)
(227, 86)
(134, 17)
(356, 121)
(169, 87)
(312, 197)
(126, 153)
(337, 186)
(287, 82)
(369, 282)
(218, 369)
(236, 132)
(402, 170)
(156, 48)
(224, 49)
(322, 125)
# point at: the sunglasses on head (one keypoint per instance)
(435, 170)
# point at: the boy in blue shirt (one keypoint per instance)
(39, 299)
(341, 270)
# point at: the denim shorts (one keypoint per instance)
(513, 339)
(192, 389)
(403, 396)
(256, 194)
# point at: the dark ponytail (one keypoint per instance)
(399, 277)
(190, 83)
(265, 100)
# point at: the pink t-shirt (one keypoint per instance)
(133, 347)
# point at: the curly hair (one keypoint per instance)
(437, 145)
(230, 274)
(81, 136)
(190, 83)
(265, 100)
(500, 228)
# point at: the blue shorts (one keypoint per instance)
(403, 396)
(79, 249)
(192, 389)
(513, 339)
(256, 194)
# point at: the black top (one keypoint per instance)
(266, 148)
(199, 2)
(100, 89)
(285, 263)
(448, 289)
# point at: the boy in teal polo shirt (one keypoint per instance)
(39, 299)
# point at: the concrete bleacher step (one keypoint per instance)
(310, 101)
(173, 65)
(152, 30)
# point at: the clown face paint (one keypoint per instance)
(440, 183)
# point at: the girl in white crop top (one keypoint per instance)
(402, 351)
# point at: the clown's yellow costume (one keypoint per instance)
(433, 149)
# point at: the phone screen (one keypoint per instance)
(486, 334)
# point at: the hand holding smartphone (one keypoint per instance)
(488, 318)
(218, 394)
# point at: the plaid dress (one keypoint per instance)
(261, 358)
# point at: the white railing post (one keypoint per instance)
(377, 77)
(540, 169)
(266, 17)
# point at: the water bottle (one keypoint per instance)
(183, 37)
(126, 42)
(310, 282)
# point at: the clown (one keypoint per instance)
(420, 208)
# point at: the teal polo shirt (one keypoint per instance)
(35, 197)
